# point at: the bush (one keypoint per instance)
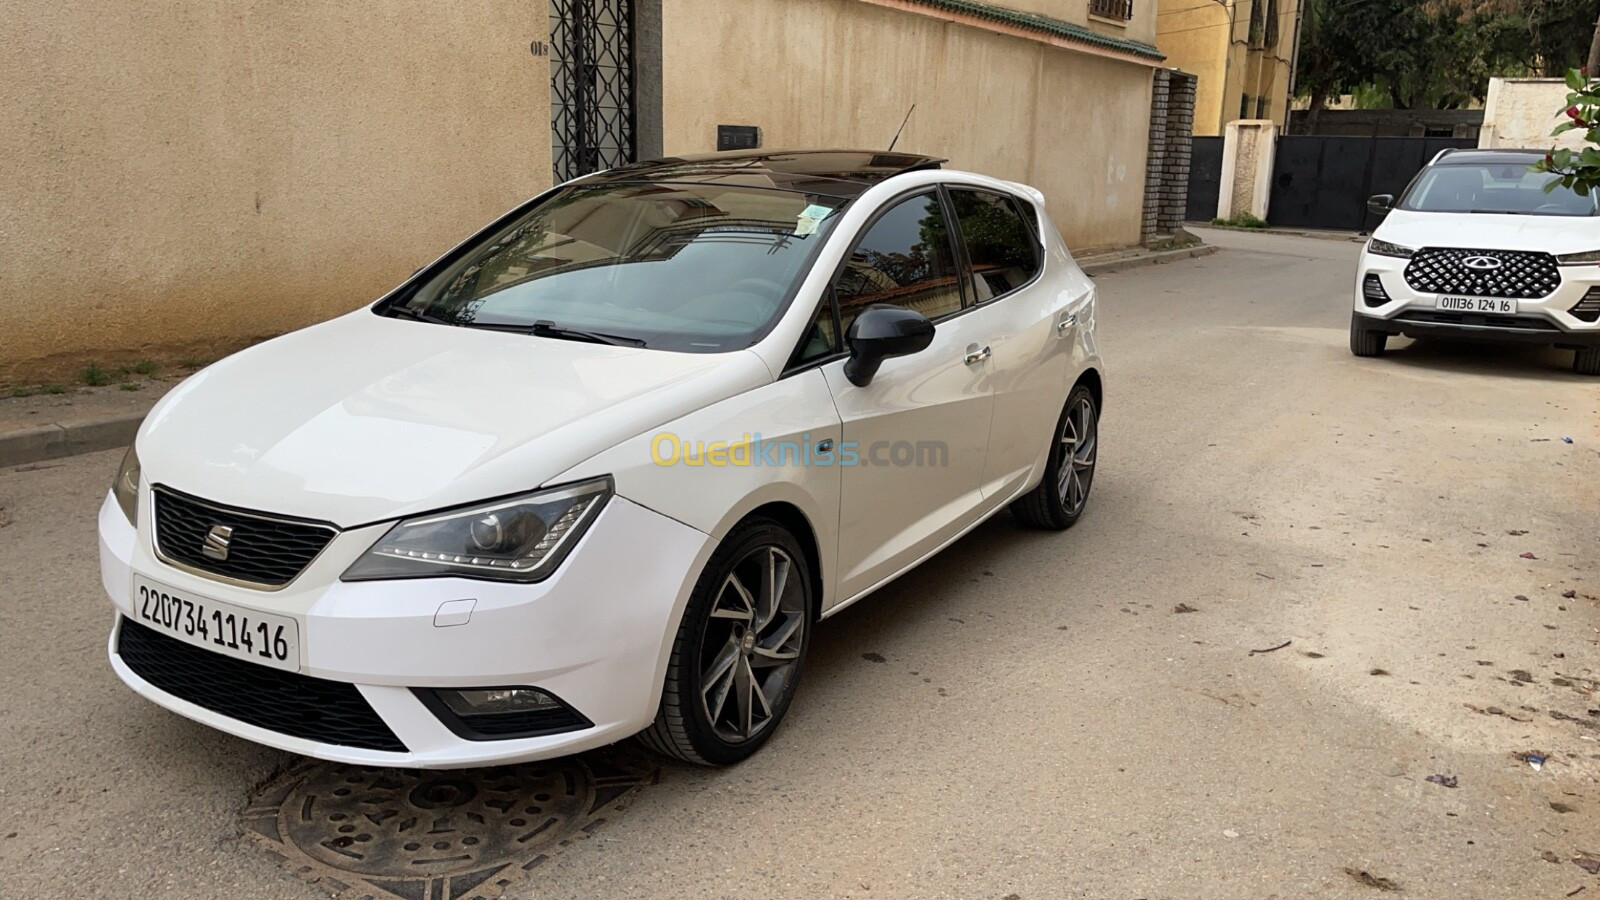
(1241, 220)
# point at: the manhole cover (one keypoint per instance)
(419, 835)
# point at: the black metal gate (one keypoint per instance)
(1320, 181)
(1205, 179)
(591, 86)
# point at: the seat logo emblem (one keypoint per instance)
(1482, 263)
(216, 542)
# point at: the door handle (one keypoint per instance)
(976, 355)
(1065, 325)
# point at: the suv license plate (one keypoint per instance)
(247, 634)
(1503, 306)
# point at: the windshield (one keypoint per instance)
(701, 268)
(1509, 188)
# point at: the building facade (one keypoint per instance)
(187, 178)
(1241, 51)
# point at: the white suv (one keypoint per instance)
(1477, 248)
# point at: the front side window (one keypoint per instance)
(905, 259)
(699, 268)
(1505, 188)
(1000, 244)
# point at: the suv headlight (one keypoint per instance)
(1384, 248)
(1579, 259)
(126, 487)
(521, 538)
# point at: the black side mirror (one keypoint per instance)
(1380, 204)
(881, 332)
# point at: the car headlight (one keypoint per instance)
(520, 538)
(1384, 248)
(1579, 259)
(126, 487)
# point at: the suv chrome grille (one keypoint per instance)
(1519, 274)
(259, 549)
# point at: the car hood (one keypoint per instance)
(1480, 231)
(366, 418)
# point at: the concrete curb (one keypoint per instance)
(58, 440)
(1148, 259)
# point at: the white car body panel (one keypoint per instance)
(364, 420)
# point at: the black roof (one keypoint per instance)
(1490, 157)
(835, 173)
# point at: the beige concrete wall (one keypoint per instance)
(184, 176)
(1521, 112)
(819, 73)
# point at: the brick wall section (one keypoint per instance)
(1180, 143)
(1156, 161)
(1171, 140)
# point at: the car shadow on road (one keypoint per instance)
(1484, 358)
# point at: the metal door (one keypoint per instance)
(591, 86)
(1205, 179)
(1320, 181)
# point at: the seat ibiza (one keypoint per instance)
(599, 471)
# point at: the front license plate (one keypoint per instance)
(1498, 305)
(259, 637)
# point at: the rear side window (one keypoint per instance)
(905, 259)
(1000, 243)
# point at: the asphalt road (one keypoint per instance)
(1027, 715)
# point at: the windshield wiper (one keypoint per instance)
(549, 329)
(420, 315)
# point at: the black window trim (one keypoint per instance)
(1017, 207)
(957, 249)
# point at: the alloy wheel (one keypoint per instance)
(1079, 433)
(751, 650)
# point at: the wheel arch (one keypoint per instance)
(1092, 379)
(793, 519)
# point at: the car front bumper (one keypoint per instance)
(1546, 320)
(596, 635)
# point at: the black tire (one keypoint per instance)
(1586, 361)
(685, 728)
(1057, 503)
(1363, 340)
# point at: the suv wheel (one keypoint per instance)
(1363, 340)
(737, 655)
(1586, 361)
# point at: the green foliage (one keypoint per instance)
(130, 385)
(146, 367)
(94, 376)
(1438, 54)
(1241, 220)
(1577, 169)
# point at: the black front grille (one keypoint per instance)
(329, 712)
(1522, 275)
(1477, 320)
(262, 550)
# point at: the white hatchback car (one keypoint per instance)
(599, 470)
(1477, 249)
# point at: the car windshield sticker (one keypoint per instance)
(810, 218)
